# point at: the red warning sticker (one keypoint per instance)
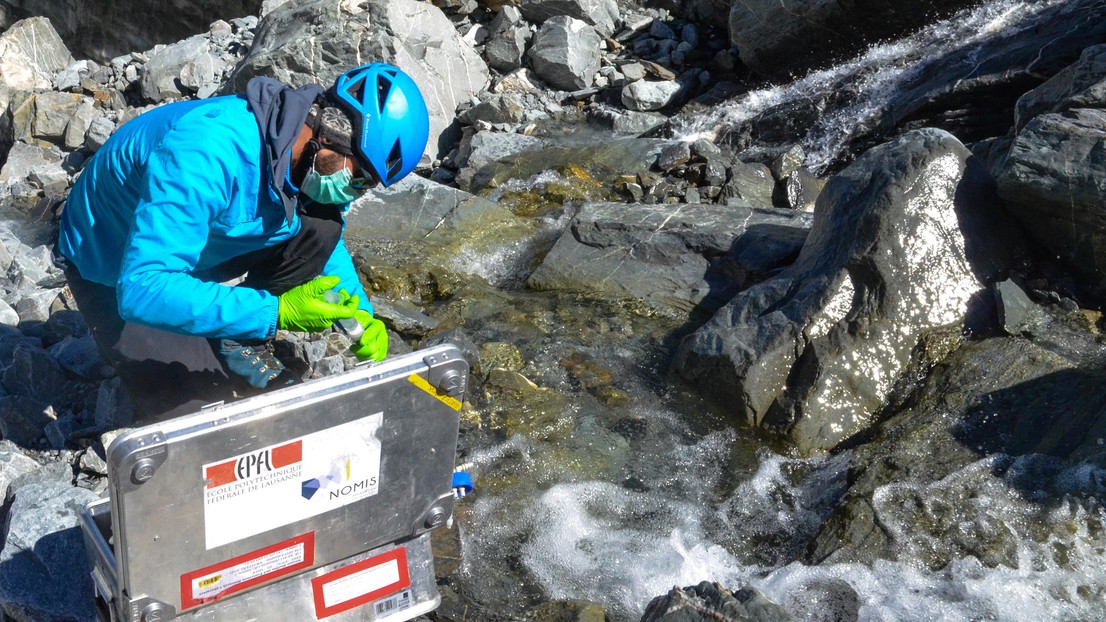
(360, 583)
(245, 571)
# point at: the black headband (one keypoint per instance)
(332, 128)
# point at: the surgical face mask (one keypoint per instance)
(333, 189)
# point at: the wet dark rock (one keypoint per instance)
(711, 601)
(901, 243)
(780, 39)
(603, 162)
(787, 162)
(749, 184)
(404, 317)
(998, 72)
(1079, 85)
(1037, 397)
(683, 258)
(568, 611)
(799, 190)
(824, 600)
(1053, 183)
(674, 156)
(459, 338)
(484, 147)
(1016, 312)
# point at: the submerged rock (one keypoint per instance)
(902, 241)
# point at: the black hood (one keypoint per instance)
(280, 112)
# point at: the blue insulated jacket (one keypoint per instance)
(181, 188)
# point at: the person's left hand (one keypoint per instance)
(373, 344)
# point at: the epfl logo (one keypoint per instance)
(251, 465)
(254, 464)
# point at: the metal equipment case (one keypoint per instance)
(308, 503)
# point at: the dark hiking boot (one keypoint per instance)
(253, 362)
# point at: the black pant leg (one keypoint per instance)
(166, 374)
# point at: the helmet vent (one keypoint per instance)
(395, 160)
(356, 90)
(383, 87)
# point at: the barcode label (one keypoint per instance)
(393, 603)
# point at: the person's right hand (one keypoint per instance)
(304, 307)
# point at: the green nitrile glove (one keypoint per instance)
(374, 341)
(304, 307)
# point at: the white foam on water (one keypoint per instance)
(604, 543)
(874, 77)
(1055, 573)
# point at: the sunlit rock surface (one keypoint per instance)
(31, 52)
(915, 490)
(901, 242)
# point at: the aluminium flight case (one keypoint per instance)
(307, 503)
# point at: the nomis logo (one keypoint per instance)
(349, 489)
(253, 464)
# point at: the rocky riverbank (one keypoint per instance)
(922, 305)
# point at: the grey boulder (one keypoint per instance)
(678, 257)
(902, 241)
(313, 42)
(565, 53)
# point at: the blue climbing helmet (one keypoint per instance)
(390, 121)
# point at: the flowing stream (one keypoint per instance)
(871, 80)
(618, 500)
(612, 482)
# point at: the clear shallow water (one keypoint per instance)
(582, 497)
(613, 542)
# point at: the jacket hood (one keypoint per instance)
(280, 112)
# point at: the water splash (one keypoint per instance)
(871, 81)
(1053, 571)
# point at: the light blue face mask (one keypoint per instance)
(333, 189)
